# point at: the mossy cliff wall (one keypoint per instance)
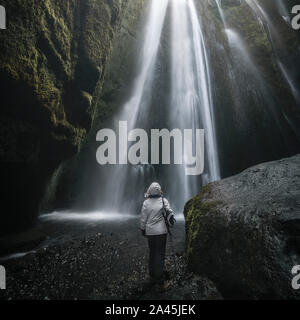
(52, 60)
(76, 182)
(253, 102)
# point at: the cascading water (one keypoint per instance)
(191, 101)
(276, 41)
(221, 13)
(190, 108)
(205, 95)
(195, 71)
(244, 67)
(118, 196)
(286, 66)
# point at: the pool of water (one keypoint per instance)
(60, 227)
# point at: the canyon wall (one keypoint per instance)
(53, 57)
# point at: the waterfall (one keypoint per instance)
(205, 95)
(286, 66)
(286, 70)
(191, 100)
(244, 67)
(148, 58)
(221, 13)
(190, 107)
(194, 71)
(276, 41)
(123, 182)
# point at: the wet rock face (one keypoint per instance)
(251, 112)
(74, 182)
(52, 59)
(243, 231)
(231, 2)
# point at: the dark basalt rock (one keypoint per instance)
(52, 60)
(243, 231)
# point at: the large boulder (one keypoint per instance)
(243, 231)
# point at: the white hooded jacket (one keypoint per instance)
(152, 219)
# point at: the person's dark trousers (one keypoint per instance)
(157, 247)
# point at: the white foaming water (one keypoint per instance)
(179, 217)
(87, 217)
(98, 216)
(15, 256)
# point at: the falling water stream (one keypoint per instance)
(191, 100)
(190, 107)
(175, 38)
(276, 42)
(240, 52)
(122, 181)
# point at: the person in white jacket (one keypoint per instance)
(154, 226)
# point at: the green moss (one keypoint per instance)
(52, 61)
(56, 49)
(195, 211)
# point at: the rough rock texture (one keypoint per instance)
(243, 231)
(252, 99)
(76, 179)
(52, 60)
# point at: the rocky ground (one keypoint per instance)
(102, 266)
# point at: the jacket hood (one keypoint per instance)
(154, 189)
